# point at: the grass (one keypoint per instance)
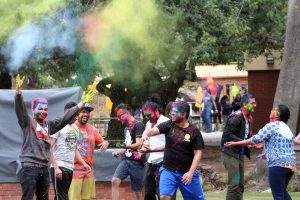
(247, 195)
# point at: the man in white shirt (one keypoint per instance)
(155, 146)
(63, 150)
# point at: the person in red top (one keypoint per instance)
(83, 183)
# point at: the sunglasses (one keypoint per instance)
(119, 116)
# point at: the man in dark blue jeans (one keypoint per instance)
(207, 109)
(35, 152)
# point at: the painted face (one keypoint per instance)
(84, 116)
(176, 115)
(150, 115)
(274, 115)
(40, 111)
(251, 105)
(123, 116)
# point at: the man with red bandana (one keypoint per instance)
(132, 163)
(183, 151)
(35, 152)
(83, 181)
(237, 128)
(155, 147)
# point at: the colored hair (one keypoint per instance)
(182, 106)
(124, 107)
(37, 100)
(152, 105)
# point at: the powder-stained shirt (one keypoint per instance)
(156, 141)
(64, 148)
(180, 145)
(36, 149)
(279, 145)
(87, 138)
(131, 133)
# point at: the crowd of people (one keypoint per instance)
(173, 144)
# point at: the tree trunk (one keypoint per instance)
(288, 87)
(5, 80)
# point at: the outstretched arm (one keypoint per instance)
(297, 139)
(150, 132)
(60, 122)
(20, 107)
(239, 143)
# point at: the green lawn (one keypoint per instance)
(247, 196)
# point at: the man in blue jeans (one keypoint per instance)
(208, 102)
(183, 151)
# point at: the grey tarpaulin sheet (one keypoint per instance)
(10, 131)
(11, 135)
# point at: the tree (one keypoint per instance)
(288, 86)
(185, 33)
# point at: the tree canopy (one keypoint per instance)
(153, 47)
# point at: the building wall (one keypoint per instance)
(12, 191)
(263, 83)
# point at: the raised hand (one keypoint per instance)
(87, 96)
(19, 83)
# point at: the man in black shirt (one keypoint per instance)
(183, 151)
(132, 163)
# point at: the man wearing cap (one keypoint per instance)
(63, 150)
(35, 152)
(83, 182)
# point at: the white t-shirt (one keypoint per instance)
(64, 148)
(157, 141)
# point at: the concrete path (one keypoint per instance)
(212, 139)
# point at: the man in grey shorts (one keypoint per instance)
(132, 163)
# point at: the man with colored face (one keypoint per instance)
(63, 150)
(83, 181)
(155, 147)
(132, 163)
(183, 151)
(35, 152)
(238, 128)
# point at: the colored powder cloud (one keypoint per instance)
(128, 37)
(14, 13)
(39, 38)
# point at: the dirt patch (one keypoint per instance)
(214, 175)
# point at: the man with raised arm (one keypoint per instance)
(35, 152)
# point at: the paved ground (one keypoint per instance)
(212, 139)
